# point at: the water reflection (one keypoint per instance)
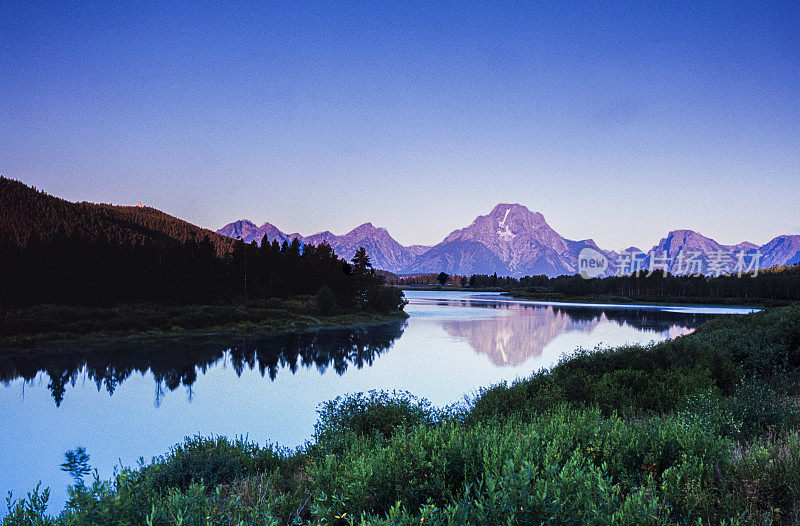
(508, 333)
(521, 331)
(453, 344)
(174, 363)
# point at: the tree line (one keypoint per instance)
(75, 270)
(55, 251)
(776, 283)
(442, 278)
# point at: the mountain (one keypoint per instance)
(418, 250)
(511, 240)
(385, 253)
(249, 232)
(56, 251)
(676, 249)
(242, 229)
(689, 252)
(783, 250)
(678, 240)
(459, 257)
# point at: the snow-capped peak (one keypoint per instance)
(504, 231)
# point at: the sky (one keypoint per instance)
(617, 121)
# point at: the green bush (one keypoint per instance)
(754, 409)
(374, 414)
(765, 480)
(564, 466)
(211, 461)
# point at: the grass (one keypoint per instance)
(47, 323)
(704, 429)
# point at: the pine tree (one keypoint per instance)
(361, 263)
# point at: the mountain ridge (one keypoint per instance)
(514, 241)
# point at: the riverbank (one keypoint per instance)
(646, 300)
(558, 297)
(705, 427)
(62, 323)
(449, 288)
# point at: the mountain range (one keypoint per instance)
(513, 241)
(510, 240)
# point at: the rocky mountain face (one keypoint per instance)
(458, 257)
(385, 253)
(783, 250)
(514, 241)
(418, 250)
(249, 232)
(689, 252)
(510, 240)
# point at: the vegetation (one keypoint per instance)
(441, 279)
(78, 269)
(701, 429)
(25, 328)
(774, 286)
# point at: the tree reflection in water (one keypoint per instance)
(177, 362)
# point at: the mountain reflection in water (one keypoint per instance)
(509, 333)
(177, 362)
(524, 330)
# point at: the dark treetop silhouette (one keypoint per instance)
(55, 251)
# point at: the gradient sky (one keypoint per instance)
(618, 122)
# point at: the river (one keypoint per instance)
(126, 401)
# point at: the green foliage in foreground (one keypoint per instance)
(700, 429)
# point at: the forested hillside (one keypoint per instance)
(28, 216)
(55, 251)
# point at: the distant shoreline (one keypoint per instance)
(449, 288)
(49, 325)
(608, 299)
(647, 300)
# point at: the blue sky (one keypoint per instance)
(616, 121)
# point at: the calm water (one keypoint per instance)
(129, 401)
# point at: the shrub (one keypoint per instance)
(212, 461)
(568, 465)
(325, 300)
(765, 480)
(385, 300)
(375, 414)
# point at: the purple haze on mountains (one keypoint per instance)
(510, 240)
